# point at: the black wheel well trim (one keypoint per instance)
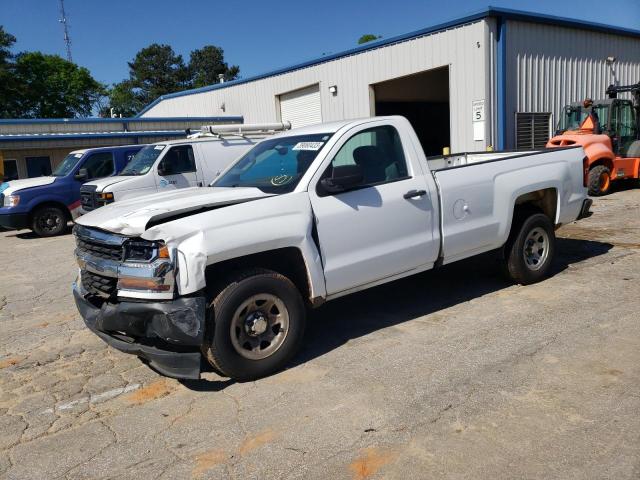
(287, 261)
(50, 203)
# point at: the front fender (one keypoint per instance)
(239, 230)
(596, 152)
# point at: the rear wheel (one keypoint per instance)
(599, 180)
(257, 325)
(530, 249)
(49, 221)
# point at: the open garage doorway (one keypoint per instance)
(424, 99)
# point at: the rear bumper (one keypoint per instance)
(166, 335)
(585, 211)
(15, 221)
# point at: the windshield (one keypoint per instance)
(573, 116)
(276, 165)
(142, 161)
(67, 165)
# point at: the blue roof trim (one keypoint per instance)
(489, 11)
(34, 121)
(76, 136)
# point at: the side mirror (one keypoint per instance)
(161, 170)
(82, 174)
(344, 177)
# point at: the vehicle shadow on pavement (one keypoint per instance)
(29, 235)
(360, 314)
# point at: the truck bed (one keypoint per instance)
(445, 162)
(477, 192)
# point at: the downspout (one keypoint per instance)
(501, 74)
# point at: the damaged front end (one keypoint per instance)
(126, 294)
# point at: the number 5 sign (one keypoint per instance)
(477, 107)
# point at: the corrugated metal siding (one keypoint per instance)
(462, 48)
(550, 66)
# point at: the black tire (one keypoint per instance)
(219, 348)
(49, 221)
(519, 258)
(599, 181)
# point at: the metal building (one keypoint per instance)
(499, 77)
(34, 147)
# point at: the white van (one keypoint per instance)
(191, 162)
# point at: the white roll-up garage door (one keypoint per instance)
(301, 107)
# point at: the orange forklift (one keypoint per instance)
(609, 132)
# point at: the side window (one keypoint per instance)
(179, 159)
(378, 151)
(99, 165)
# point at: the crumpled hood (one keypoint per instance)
(103, 183)
(13, 186)
(131, 217)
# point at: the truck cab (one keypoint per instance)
(46, 204)
(166, 166)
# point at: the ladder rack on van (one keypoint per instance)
(238, 130)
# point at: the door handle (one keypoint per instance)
(414, 193)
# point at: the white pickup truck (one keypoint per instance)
(227, 273)
(164, 166)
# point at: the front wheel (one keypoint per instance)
(530, 250)
(49, 221)
(257, 325)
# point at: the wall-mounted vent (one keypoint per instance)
(533, 129)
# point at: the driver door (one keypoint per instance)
(382, 227)
(177, 169)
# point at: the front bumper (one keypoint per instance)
(166, 335)
(14, 221)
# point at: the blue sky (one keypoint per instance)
(257, 35)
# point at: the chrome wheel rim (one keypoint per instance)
(536, 248)
(259, 326)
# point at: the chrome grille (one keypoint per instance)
(100, 250)
(98, 284)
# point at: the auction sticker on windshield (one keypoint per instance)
(158, 147)
(308, 146)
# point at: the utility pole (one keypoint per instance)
(65, 27)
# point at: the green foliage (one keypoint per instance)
(35, 85)
(368, 37)
(207, 63)
(7, 80)
(52, 87)
(158, 70)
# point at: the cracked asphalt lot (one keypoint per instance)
(449, 374)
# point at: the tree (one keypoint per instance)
(207, 63)
(7, 79)
(52, 87)
(157, 70)
(368, 37)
